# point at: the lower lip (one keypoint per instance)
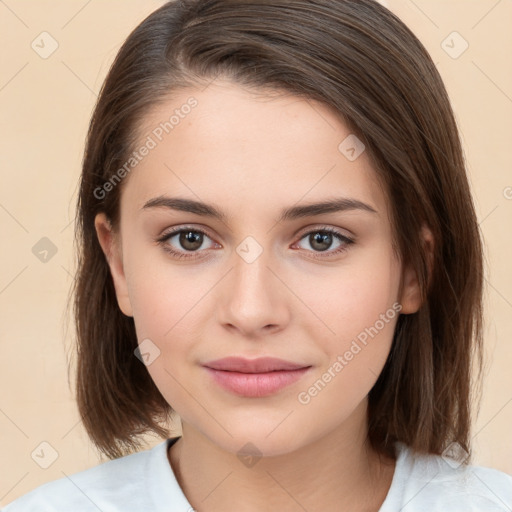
(256, 384)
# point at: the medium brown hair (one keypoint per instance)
(360, 60)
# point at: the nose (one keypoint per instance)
(252, 299)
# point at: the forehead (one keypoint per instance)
(248, 152)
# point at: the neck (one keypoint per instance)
(338, 471)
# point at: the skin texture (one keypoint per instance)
(252, 156)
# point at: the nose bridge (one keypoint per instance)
(253, 299)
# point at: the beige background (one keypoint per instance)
(46, 104)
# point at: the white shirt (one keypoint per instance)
(144, 482)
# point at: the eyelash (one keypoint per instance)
(192, 254)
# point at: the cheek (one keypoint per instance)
(165, 304)
(163, 294)
(352, 298)
(358, 310)
(171, 304)
(354, 355)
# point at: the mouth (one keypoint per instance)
(255, 377)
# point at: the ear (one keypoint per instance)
(110, 243)
(411, 296)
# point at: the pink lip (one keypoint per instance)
(254, 377)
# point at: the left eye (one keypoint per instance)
(190, 241)
(320, 240)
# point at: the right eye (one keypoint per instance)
(187, 241)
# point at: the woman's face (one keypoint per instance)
(265, 279)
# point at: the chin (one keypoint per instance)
(260, 438)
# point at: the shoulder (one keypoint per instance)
(436, 483)
(119, 481)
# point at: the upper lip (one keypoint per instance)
(259, 365)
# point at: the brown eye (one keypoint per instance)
(191, 240)
(321, 240)
(185, 242)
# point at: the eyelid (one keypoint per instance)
(324, 227)
(301, 232)
(184, 227)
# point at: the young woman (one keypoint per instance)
(278, 243)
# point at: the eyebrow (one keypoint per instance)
(294, 212)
